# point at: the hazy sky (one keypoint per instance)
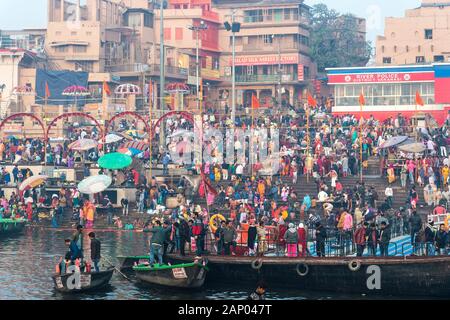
(19, 14)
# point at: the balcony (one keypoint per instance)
(265, 78)
(272, 19)
(153, 69)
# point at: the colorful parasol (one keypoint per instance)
(136, 145)
(127, 89)
(129, 151)
(83, 145)
(76, 91)
(94, 184)
(115, 161)
(177, 87)
(32, 182)
(23, 91)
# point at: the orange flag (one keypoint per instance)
(311, 101)
(362, 100)
(255, 102)
(419, 99)
(47, 91)
(106, 88)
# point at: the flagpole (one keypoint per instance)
(361, 119)
(252, 131)
(151, 127)
(307, 142)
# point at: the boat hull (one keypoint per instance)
(389, 276)
(89, 281)
(11, 228)
(189, 277)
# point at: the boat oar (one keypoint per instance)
(121, 273)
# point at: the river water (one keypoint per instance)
(28, 261)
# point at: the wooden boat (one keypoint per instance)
(389, 276)
(128, 262)
(185, 275)
(88, 281)
(12, 226)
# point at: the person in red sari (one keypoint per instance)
(302, 244)
(281, 231)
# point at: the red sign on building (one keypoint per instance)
(380, 77)
(301, 74)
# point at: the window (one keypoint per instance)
(79, 49)
(168, 33)
(429, 34)
(287, 14)
(438, 58)
(382, 49)
(395, 48)
(268, 38)
(134, 20)
(178, 33)
(73, 33)
(387, 60)
(420, 59)
(62, 49)
(88, 33)
(148, 20)
(306, 72)
(87, 66)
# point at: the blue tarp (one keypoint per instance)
(57, 82)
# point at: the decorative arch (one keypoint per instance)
(75, 114)
(24, 114)
(186, 115)
(129, 113)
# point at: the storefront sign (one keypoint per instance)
(380, 77)
(265, 60)
(300, 71)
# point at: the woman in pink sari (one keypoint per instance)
(291, 238)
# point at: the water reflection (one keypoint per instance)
(27, 263)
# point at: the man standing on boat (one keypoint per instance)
(385, 238)
(229, 238)
(95, 251)
(78, 240)
(321, 236)
(360, 239)
(157, 242)
(416, 225)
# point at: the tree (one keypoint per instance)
(335, 40)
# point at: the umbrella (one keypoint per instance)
(125, 135)
(181, 133)
(94, 184)
(111, 138)
(115, 161)
(416, 147)
(125, 151)
(32, 182)
(83, 145)
(136, 145)
(393, 141)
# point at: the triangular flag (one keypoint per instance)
(47, 91)
(106, 88)
(311, 101)
(419, 100)
(362, 100)
(255, 102)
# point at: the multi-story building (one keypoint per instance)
(420, 37)
(27, 39)
(272, 50)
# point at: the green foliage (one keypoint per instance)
(335, 40)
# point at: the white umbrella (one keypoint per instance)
(94, 184)
(111, 138)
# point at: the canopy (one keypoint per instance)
(94, 184)
(32, 182)
(129, 151)
(416, 147)
(83, 145)
(111, 138)
(136, 145)
(115, 161)
(393, 141)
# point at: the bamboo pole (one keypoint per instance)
(308, 143)
(151, 127)
(361, 120)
